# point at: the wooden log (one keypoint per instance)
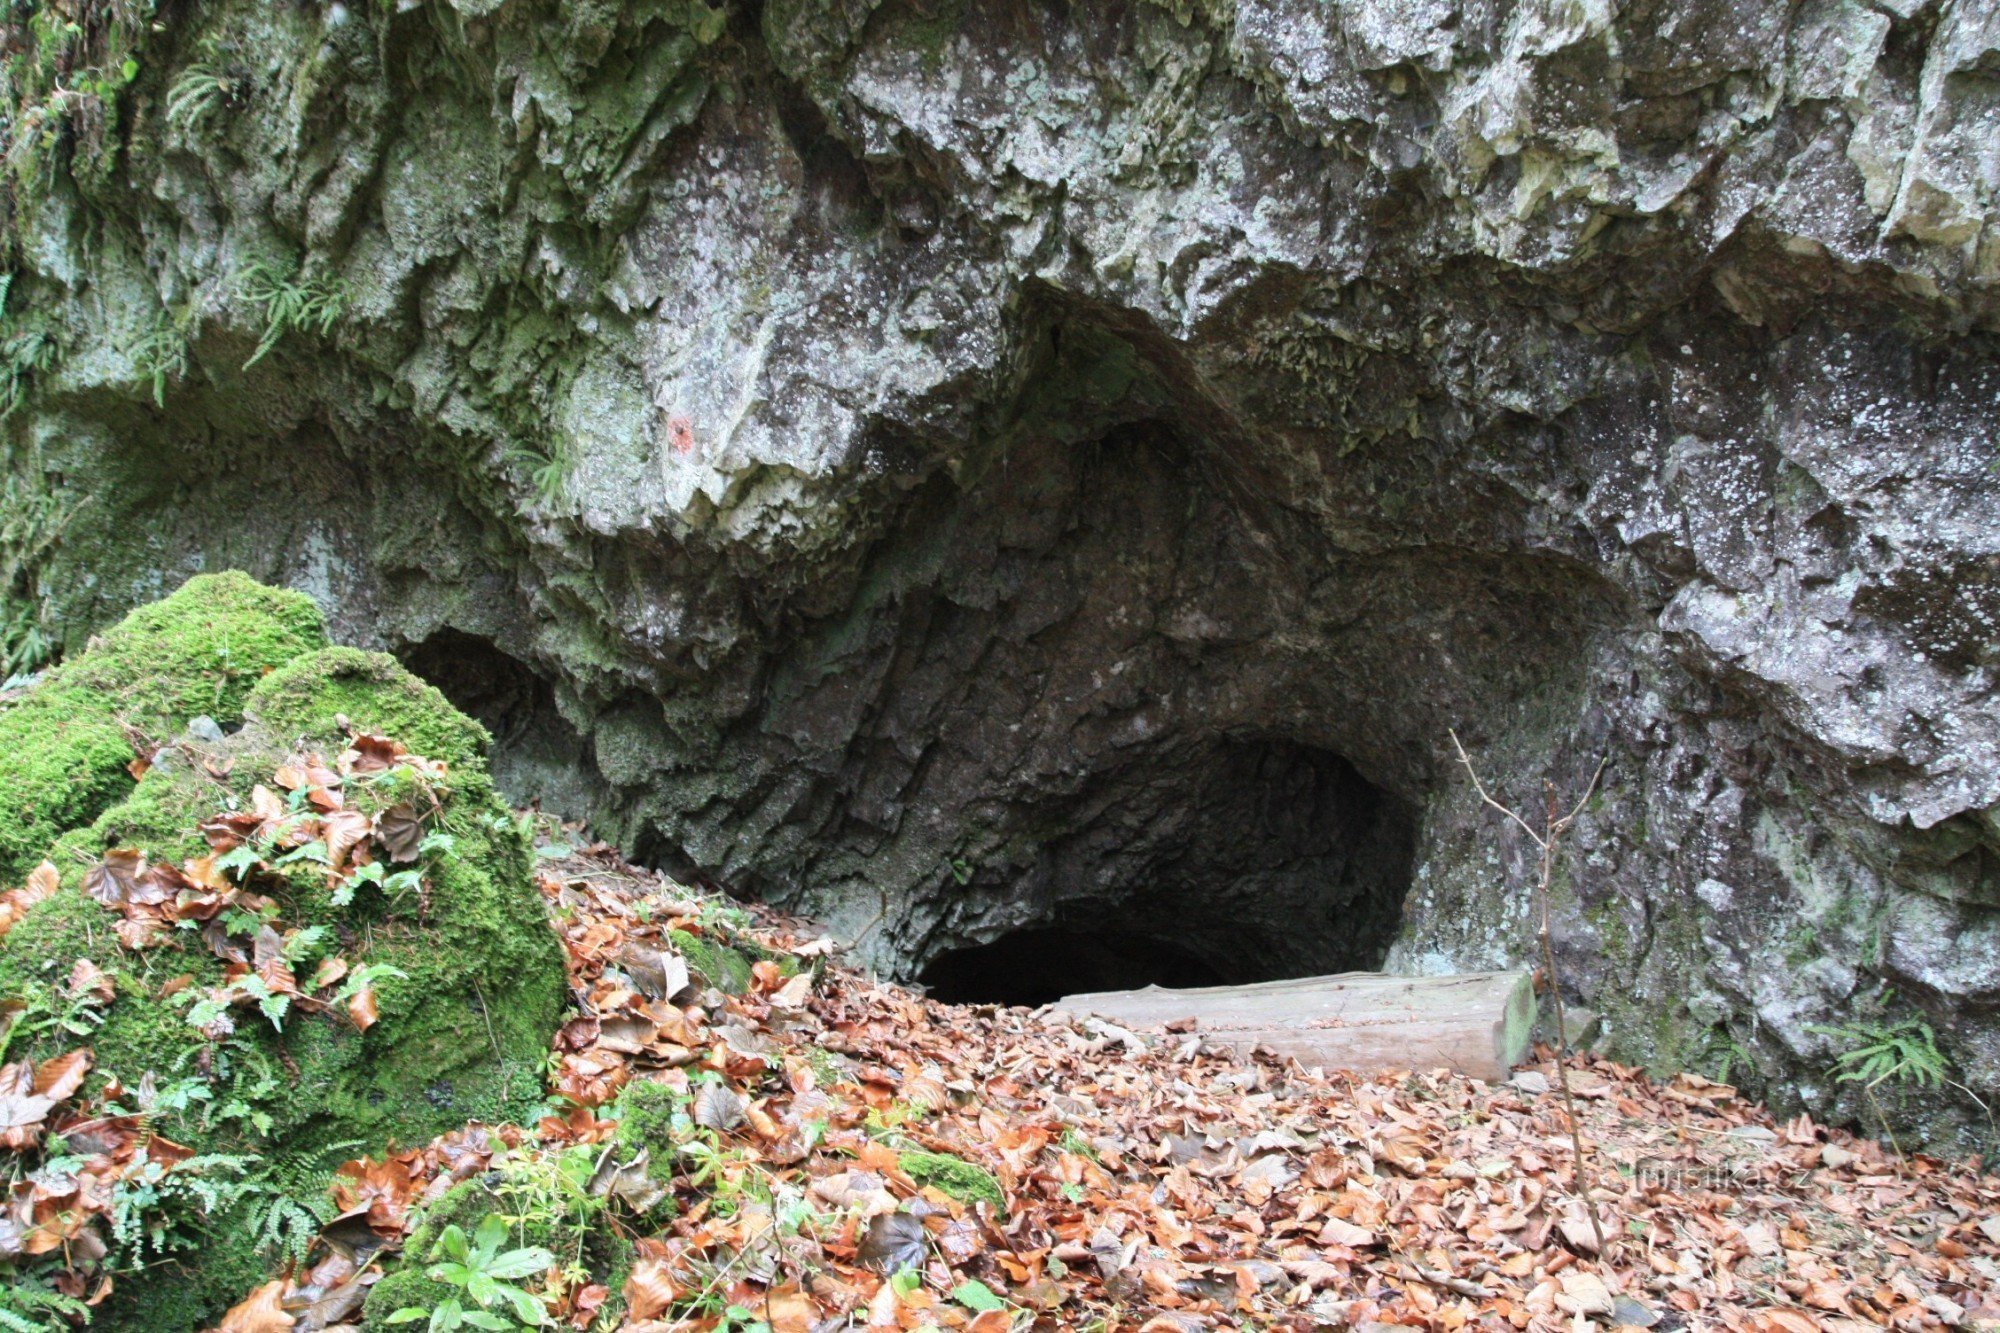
(1477, 1023)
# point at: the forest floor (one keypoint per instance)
(855, 1155)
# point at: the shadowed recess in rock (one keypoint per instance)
(1240, 861)
(1033, 967)
(537, 755)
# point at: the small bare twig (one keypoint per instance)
(1549, 841)
(1442, 1279)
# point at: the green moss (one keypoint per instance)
(462, 1034)
(199, 650)
(307, 700)
(187, 1291)
(408, 1284)
(712, 963)
(64, 747)
(652, 1118)
(953, 1176)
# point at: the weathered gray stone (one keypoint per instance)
(1033, 461)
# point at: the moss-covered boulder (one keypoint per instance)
(65, 744)
(352, 954)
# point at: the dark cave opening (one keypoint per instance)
(538, 758)
(1034, 967)
(1225, 862)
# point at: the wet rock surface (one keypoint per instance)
(959, 468)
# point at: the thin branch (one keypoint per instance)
(1487, 796)
(1549, 841)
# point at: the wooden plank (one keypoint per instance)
(1477, 1023)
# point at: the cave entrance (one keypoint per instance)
(1221, 863)
(1036, 966)
(538, 757)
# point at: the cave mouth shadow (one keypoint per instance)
(537, 758)
(1230, 862)
(1042, 964)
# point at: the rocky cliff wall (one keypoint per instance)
(966, 467)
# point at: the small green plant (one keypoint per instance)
(488, 1276)
(1073, 1142)
(23, 355)
(548, 472)
(289, 302)
(549, 1195)
(160, 354)
(1903, 1052)
(197, 93)
(1877, 1053)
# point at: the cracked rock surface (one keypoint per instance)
(960, 467)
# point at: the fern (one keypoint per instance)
(1904, 1052)
(22, 356)
(32, 520)
(289, 302)
(160, 354)
(1877, 1053)
(196, 94)
(160, 1209)
(27, 1306)
(286, 1227)
(293, 1198)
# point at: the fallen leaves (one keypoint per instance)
(42, 881)
(998, 1170)
(261, 1312)
(28, 1093)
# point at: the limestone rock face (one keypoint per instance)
(965, 465)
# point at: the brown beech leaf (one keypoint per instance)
(400, 831)
(14, 903)
(345, 831)
(139, 933)
(372, 754)
(88, 979)
(893, 1242)
(262, 1311)
(22, 1110)
(361, 1008)
(651, 1290)
(58, 1078)
(267, 805)
(111, 880)
(160, 884)
(719, 1108)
